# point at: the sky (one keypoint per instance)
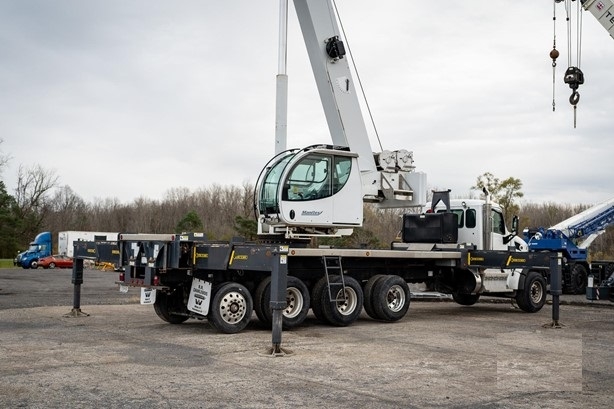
(130, 99)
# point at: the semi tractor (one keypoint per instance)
(319, 191)
(40, 247)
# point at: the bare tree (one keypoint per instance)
(68, 211)
(31, 196)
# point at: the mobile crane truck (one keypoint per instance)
(319, 191)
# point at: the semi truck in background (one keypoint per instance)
(40, 247)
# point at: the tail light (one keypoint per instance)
(122, 277)
(156, 280)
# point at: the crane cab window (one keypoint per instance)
(317, 176)
(268, 195)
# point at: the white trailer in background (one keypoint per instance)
(66, 239)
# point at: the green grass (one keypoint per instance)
(6, 263)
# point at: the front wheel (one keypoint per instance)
(231, 308)
(532, 297)
(51, 265)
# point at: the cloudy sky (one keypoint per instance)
(127, 99)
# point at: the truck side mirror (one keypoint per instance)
(514, 231)
(514, 225)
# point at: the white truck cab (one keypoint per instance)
(481, 222)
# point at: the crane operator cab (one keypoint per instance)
(312, 191)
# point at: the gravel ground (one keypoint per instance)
(121, 355)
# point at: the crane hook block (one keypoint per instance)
(335, 48)
(574, 77)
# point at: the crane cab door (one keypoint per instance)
(318, 191)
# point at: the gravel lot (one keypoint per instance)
(490, 355)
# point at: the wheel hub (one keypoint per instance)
(232, 307)
(395, 298)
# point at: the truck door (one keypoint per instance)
(498, 230)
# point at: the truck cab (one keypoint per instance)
(481, 223)
(39, 248)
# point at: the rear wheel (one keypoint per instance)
(297, 303)
(317, 299)
(346, 305)
(51, 265)
(391, 298)
(170, 306)
(368, 295)
(533, 295)
(231, 308)
(260, 301)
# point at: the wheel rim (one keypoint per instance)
(233, 307)
(537, 292)
(348, 301)
(51, 265)
(294, 302)
(395, 298)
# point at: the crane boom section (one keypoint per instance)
(334, 80)
(603, 10)
(588, 222)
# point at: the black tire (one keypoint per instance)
(261, 302)
(465, 299)
(171, 307)
(297, 307)
(316, 299)
(391, 298)
(347, 310)
(231, 308)
(532, 297)
(298, 303)
(577, 284)
(51, 265)
(368, 295)
(34, 264)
